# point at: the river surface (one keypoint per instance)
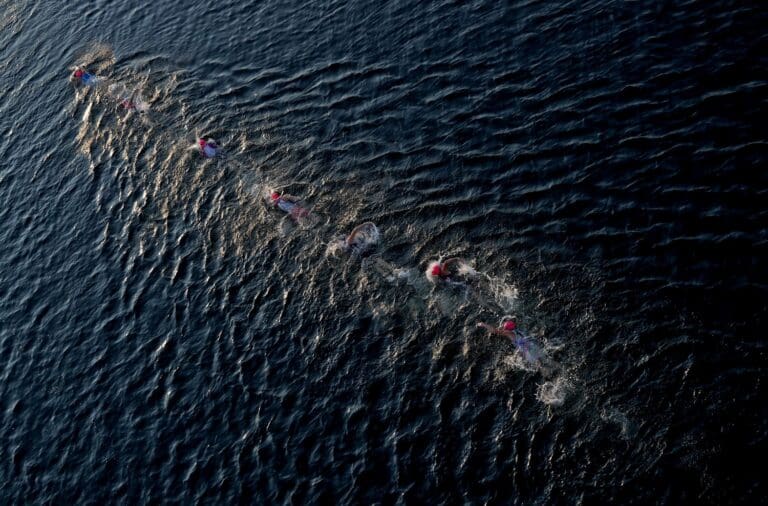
(167, 336)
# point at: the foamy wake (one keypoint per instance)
(428, 272)
(554, 392)
(388, 271)
(336, 247)
(466, 270)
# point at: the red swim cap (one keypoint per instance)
(78, 73)
(201, 142)
(436, 270)
(275, 196)
(509, 326)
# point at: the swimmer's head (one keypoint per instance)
(437, 270)
(275, 196)
(78, 73)
(509, 325)
(201, 142)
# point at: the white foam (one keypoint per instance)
(467, 270)
(140, 105)
(553, 393)
(336, 247)
(428, 272)
(504, 294)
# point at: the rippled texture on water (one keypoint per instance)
(164, 335)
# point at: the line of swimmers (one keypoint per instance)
(132, 101)
(360, 241)
(452, 271)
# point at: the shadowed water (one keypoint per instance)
(165, 335)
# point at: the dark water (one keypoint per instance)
(165, 336)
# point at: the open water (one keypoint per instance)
(166, 336)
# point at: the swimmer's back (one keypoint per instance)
(88, 79)
(285, 205)
(209, 151)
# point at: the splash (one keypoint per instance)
(504, 294)
(554, 392)
(337, 247)
(428, 272)
(118, 90)
(390, 272)
(516, 361)
(455, 271)
(130, 100)
(140, 104)
(467, 270)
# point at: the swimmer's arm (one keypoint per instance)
(452, 265)
(353, 234)
(490, 328)
(452, 262)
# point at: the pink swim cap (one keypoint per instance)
(509, 326)
(78, 73)
(437, 271)
(275, 196)
(202, 142)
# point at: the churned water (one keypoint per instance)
(168, 336)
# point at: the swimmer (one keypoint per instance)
(80, 76)
(130, 101)
(134, 102)
(453, 270)
(127, 103)
(361, 240)
(507, 328)
(208, 148)
(528, 348)
(289, 204)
